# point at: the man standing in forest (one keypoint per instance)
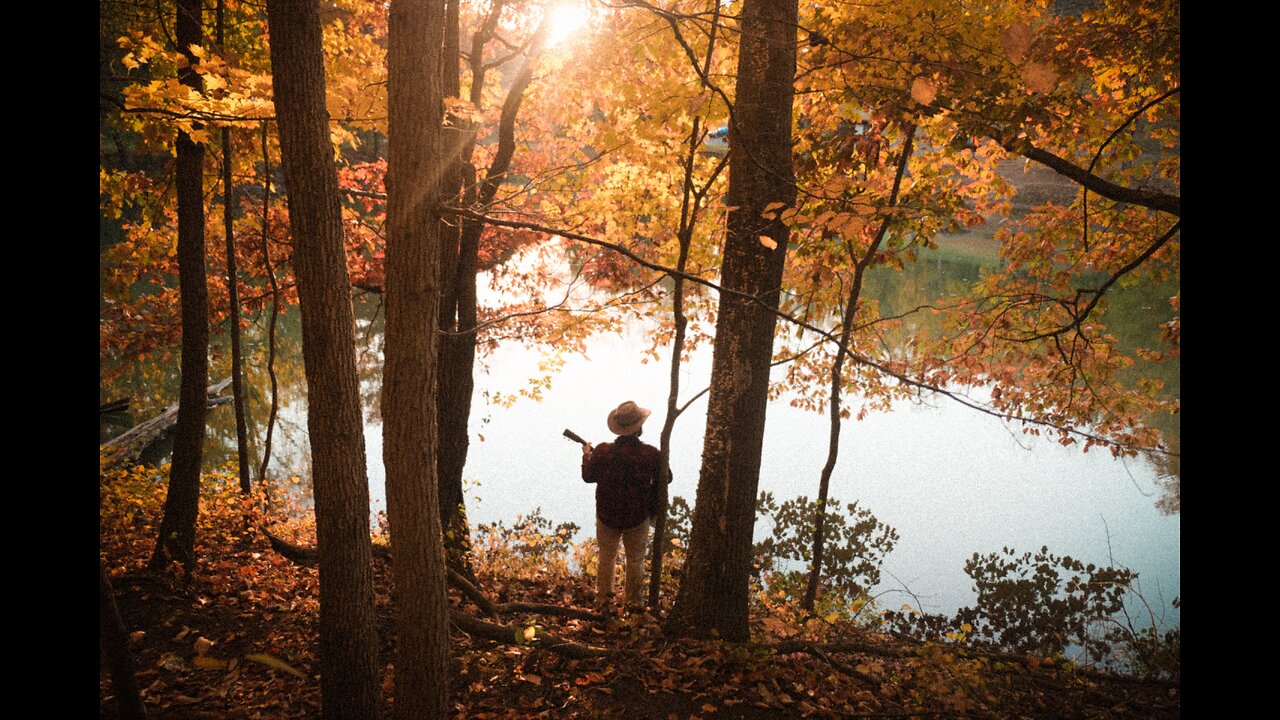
(625, 473)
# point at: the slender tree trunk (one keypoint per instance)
(689, 206)
(416, 169)
(233, 318)
(349, 678)
(177, 537)
(713, 596)
(457, 348)
(233, 290)
(837, 379)
(275, 309)
(115, 642)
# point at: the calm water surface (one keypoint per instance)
(952, 481)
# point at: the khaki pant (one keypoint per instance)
(633, 542)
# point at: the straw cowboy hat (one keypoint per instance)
(627, 418)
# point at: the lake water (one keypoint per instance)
(952, 481)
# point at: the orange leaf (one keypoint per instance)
(924, 90)
(1039, 77)
(1016, 41)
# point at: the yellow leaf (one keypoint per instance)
(273, 662)
(209, 663)
(924, 90)
(768, 242)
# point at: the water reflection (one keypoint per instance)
(953, 482)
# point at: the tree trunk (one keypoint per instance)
(457, 348)
(349, 678)
(233, 290)
(233, 317)
(837, 380)
(177, 538)
(713, 593)
(275, 309)
(416, 166)
(115, 642)
(691, 201)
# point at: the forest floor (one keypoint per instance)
(240, 640)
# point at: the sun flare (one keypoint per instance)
(565, 19)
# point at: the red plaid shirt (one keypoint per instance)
(624, 471)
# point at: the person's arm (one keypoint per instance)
(589, 457)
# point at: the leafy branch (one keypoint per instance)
(852, 354)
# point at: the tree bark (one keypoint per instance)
(456, 351)
(416, 167)
(115, 642)
(349, 678)
(713, 595)
(177, 537)
(233, 290)
(233, 316)
(275, 309)
(460, 258)
(691, 201)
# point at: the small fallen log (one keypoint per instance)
(307, 556)
(128, 445)
(114, 406)
(509, 634)
(516, 634)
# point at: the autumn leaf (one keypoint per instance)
(1039, 77)
(1016, 41)
(209, 663)
(273, 662)
(768, 242)
(924, 90)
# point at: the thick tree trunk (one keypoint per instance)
(177, 537)
(349, 678)
(115, 644)
(713, 596)
(416, 167)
